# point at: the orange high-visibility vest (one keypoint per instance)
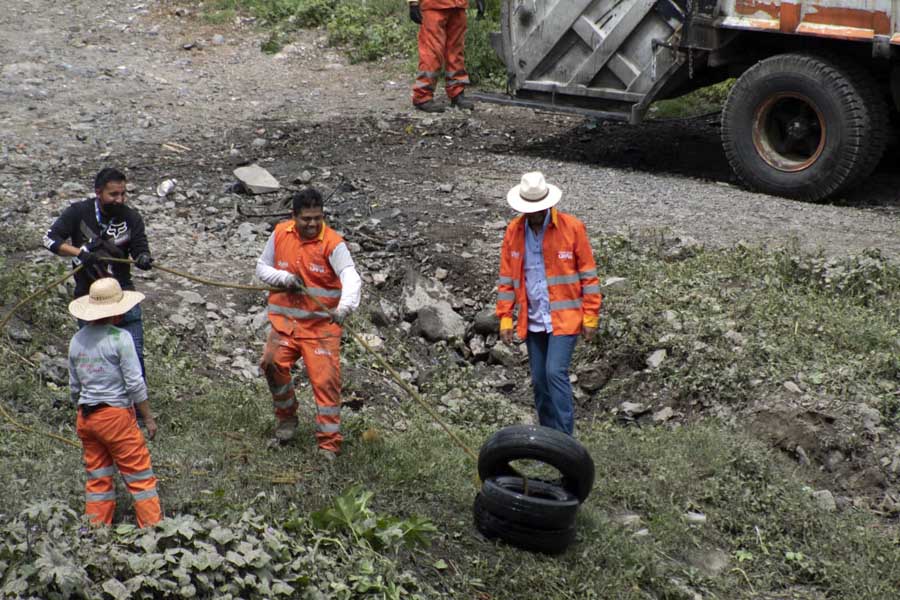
(295, 313)
(442, 4)
(572, 281)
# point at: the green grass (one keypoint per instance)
(830, 325)
(743, 321)
(703, 101)
(368, 30)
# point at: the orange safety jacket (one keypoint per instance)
(572, 282)
(441, 4)
(296, 313)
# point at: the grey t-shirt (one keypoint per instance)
(104, 367)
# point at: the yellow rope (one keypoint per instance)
(356, 337)
(3, 323)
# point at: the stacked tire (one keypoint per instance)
(528, 513)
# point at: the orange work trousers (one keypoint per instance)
(442, 38)
(322, 359)
(111, 438)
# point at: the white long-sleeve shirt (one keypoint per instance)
(340, 260)
(104, 367)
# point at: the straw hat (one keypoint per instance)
(533, 194)
(106, 299)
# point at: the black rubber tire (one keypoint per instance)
(547, 445)
(546, 506)
(875, 100)
(547, 541)
(842, 107)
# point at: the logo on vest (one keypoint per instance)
(514, 253)
(283, 264)
(316, 268)
(322, 352)
(566, 255)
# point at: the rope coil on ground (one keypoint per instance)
(237, 286)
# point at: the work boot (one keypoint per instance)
(460, 101)
(429, 106)
(285, 430)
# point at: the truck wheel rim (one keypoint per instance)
(789, 132)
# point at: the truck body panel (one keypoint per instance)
(860, 20)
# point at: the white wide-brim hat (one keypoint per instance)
(533, 194)
(106, 299)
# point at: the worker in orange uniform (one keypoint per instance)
(106, 384)
(321, 287)
(547, 272)
(442, 39)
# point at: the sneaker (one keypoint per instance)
(429, 106)
(461, 102)
(285, 430)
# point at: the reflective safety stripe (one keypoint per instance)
(423, 86)
(509, 281)
(145, 494)
(324, 292)
(139, 476)
(328, 428)
(428, 74)
(100, 496)
(588, 274)
(456, 82)
(277, 390)
(561, 279)
(329, 410)
(506, 295)
(102, 472)
(565, 304)
(284, 403)
(455, 73)
(591, 289)
(297, 313)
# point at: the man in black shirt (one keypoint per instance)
(102, 227)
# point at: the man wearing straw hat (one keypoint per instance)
(548, 275)
(106, 385)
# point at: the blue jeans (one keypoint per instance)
(549, 357)
(133, 324)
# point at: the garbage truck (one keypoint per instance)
(817, 84)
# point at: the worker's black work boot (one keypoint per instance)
(429, 106)
(460, 101)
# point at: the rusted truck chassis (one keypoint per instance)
(818, 83)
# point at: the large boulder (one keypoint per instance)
(419, 292)
(486, 322)
(439, 322)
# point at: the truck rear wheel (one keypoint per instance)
(800, 126)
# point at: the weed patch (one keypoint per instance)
(369, 30)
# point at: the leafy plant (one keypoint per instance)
(351, 513)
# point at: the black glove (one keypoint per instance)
(144, 261)
(415, 14)
(480, 5)
(86, 258)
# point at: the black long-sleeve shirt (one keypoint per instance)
(79, 225)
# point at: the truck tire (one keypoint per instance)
(547, 541)
(875, 100)
(545, 506)
(798, 125)
(555, 448)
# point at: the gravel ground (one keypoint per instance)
(90, 82)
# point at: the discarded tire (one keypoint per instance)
(522, 442)
(548, 541)
(532, 503)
